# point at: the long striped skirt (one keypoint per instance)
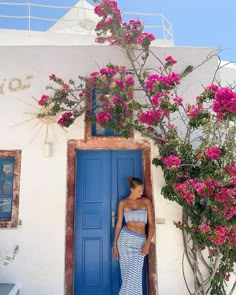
(131, 261)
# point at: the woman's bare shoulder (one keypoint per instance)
(147, 201)
(122, 202)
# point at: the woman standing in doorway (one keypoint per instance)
(130, 242)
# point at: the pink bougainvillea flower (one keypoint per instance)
(178, 100)
(221, 196)
(204, 227)
(204, 189)
(100, 40)
(135, 22)
(117, 99)
(106, 106)
(186, 190)
(170, 61)
(229, 210)
(145, 37)
(207, 187)
(214, 208)
(188, 196)
(44, 98)
(171, 126)
(63, 121)
(220, 240)
(52, 76)
(164, 81)
(172, 162)
(108, 7)
(98, 10)
(225, 101)
(193, 110)
(212, 153)
(221, 230)
(103, 117)
(219, 116)
(107, 71)
(211, 88)
(120, 83)
(156, 99)
(130, 80)
(94, 74)
(232, 169)
(150, 117)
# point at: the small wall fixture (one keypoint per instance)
(47, 149)
(160, 220)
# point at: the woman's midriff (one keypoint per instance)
(138, 227)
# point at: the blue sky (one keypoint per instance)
(205, 23)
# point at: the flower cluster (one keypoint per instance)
(219, 235)
(193, 110)
(103, 117)
(172, 162)
(64, 102)
(151, 117)
(108, 7)
(66, 119)
(231, 169)
(221, 198)
(145, 39)
(169, 61)
(44, 98)
(115, 86)
(112, 29)
(186, 190)
(155, 82)
(223, 100)
(213, 153)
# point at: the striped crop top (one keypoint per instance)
(139, 215)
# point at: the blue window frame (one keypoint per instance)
(96, 129)
(6, 187)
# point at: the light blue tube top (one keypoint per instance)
(139, 215)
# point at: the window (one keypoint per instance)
(97, 130)
(9, 187)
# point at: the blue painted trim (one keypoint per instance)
(7, 216)
(107, 131)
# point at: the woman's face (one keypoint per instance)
(137, 191)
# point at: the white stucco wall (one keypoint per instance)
(16, 37)
(39, 264)
(227, 74)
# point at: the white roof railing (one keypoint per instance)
(28, 11)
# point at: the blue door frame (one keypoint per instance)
(100, 184)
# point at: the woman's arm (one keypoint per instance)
(118, 228)
(151, 227)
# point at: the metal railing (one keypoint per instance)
(47, 15)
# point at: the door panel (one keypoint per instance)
(100, 184)
(124, 163)
(92, 224)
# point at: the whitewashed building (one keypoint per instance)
(40, 236)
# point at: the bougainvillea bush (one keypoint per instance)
(198, 160)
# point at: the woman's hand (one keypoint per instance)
(115, 253)
(145, 249)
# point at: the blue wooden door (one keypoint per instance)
(100, 184)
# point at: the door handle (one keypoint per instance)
(114, 217)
